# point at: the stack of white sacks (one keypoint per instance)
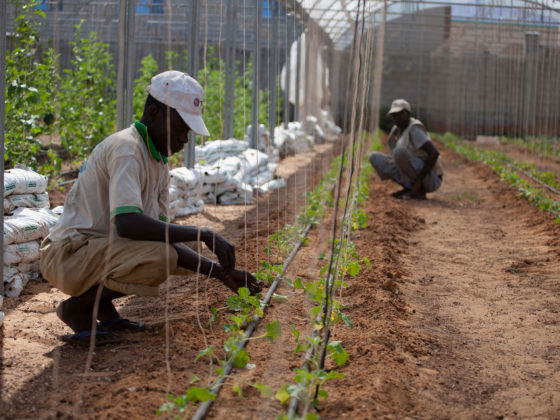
(300, 137)
(225, 172)
(27, 220)
(229, 172)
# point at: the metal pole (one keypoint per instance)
(130, 28)
(230, 71)
(256, 69)
(192, 68)
(3, 24)
(288, 49)
(298, 70)
(530, 99)
(121, 71)
(307, 72)
(227, 104)
(273, 75)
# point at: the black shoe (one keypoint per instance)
(400, 193)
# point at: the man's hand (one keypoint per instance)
(417, 191)
(222, 248)
(241, 278)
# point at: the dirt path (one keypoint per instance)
(484, 280)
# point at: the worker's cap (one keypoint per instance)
(180, 91)
(398, 105)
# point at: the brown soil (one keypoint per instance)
(457, 317)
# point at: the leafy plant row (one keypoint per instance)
(543, 147)
(505, 167)
(243, 308)
(76, 106)
(327, 308)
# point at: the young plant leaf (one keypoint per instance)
(241, 359)
(273, 330)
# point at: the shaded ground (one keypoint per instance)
(456, 318)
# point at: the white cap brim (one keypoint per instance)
(195, 123)
(396, 109)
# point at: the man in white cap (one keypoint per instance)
(114, 238)
(414, 160)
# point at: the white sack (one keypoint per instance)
(272, 185)
(255, 159)
(40, 200)
(23, 181)
(58, 210)
(173, 193)
(19, 253)
(191, 209)
(218, 149)
(28, 224)
(184, 178)
(33, 268)
(242, 196)
(14, 286)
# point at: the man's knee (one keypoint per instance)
(401, 155)
(377, 159)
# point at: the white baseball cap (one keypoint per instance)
(398, 105)
(183, 93)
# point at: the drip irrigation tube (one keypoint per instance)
(203, 408)
(538, 181)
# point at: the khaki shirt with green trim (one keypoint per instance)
(121, 176)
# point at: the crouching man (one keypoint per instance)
(414, 162)
(113, 238)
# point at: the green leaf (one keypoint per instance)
(241, 359)
(282, 394)
(266, 390)
(353, 268)
(346, 319)
(337, 352)
(194, 379)
(196, 394)
(207, 351)
(298, 283)
(294, 331)
(238, 390)
(273, 330)
(280, 298)
(322, 394)
(243, 293)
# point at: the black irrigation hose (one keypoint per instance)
(203, 408)
(538, 181)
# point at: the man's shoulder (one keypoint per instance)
(125, 142)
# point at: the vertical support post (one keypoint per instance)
(232, 72)
(530, 85)
(192, 69)
(298, 71)
(231, 17)
(274, 74)
(125, 75)
(256, 70)
(307, 72)
(121, 70)
(485, 70)
(288, 65)
(131, 12)
(3, 24)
